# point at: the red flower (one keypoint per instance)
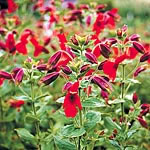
(110, 68)
(1, 81)
(10, 42)
(99, 24)
(12, 6)
(72, 101)
(38, 49)
(16, 103)
(62, 40)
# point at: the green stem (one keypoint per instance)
(1, 107)
(122, 90)
(34, 111)
(81, 122)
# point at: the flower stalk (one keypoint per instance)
(34, 111)
(122, 90)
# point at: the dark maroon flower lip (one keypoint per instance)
(18, 74)
(139, 70)
(105, 50)
(134, 37)
(5, 75)
(49, 78)
(66, 70)
(100, 66)
(102, 83)
(84, 68)
(91, 57)
(145, 57)
(139, 47)
(42, 67)
(55, 58)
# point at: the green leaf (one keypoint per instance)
(31, 118)
(63, 144)
(71, 131)
(109, 124)
(115, 143)
(116, 101)
(23, 97)
(130, 133)
(92, 118)
(24, 134)
(41, 96)
(133, 81)
(60, 100)
(93, 102)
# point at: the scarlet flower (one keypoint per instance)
(62, 40)
(110, 68)
(16, 103)
(72, 101)
(12, 6)
(10, 43)
(1, 81)
(99, 24)
(38, 49)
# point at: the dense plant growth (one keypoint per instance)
(68, 78)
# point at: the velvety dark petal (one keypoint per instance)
(91, 57)
(5, 75)
(145, 57)
(54, 58)
(49, 78)
(139, 47)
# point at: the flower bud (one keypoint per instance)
(91, 57)
(55, 58)
(112, 41)
(66, 70)
(42, 67)
(85, 68)
(104, 94)
(105, 50)
(145, 106)
(134, 37)
(67, 86)
(5, 75)
(49, 78)
(139, 70)
(144, 112)
(119, 33)
(100, 66)
(18, 74)
(142, 122)
(74, 40)
(139, 47)
(145, 57)
(135, 98)
(101, 82)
